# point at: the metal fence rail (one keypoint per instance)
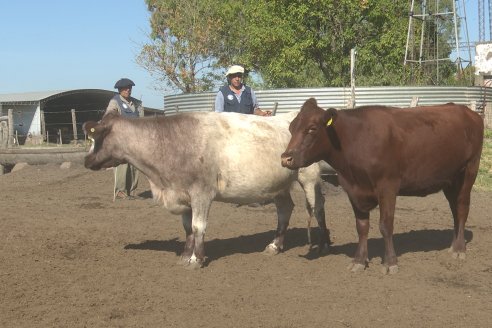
(292, 99)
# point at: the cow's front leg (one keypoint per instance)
(284, 205)
(318, 210)
(200, 209)
(315, 205)
(359, 262)
(186, 219)
(387, 204)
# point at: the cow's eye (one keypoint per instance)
(311, 130)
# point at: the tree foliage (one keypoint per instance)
(183, 36)
(287, 43)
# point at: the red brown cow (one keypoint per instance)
(382, 152)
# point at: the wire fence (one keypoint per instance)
(48, 128)
(62, 126)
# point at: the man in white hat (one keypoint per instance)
(237, 97)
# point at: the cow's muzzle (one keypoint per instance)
(89, 162)
(288, 160)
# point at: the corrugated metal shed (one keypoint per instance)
(27, 97)
(46, 96)
(56, 106)
(292, 99)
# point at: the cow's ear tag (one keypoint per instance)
(330, 121)
(93, 130)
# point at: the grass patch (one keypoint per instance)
(484, 178)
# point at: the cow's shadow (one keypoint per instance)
(217, 248)
(406, 242)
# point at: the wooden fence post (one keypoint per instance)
(74, 126)
(43, 127)
(5, 134)
(275, 106)
(11, 127)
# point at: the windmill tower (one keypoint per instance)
(481, 20)
(433, 38)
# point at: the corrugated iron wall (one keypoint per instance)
(292, 99)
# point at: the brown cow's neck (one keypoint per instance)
(336, 157)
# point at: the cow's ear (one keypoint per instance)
(310, 103)
(93, 129)
(330, 116)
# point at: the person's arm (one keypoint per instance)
(219, 102)
(112, 107)
(140, 109)
(257, 110)
(262, 112)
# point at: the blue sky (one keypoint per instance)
(69, 44)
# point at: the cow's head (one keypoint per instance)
(104, 151)
(310, 135)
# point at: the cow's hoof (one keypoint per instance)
(392, 269)
(356, 267)
(457, 254)
(271, 249)
(183, 261)
(194, 265)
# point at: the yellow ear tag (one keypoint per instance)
(93, 130)
(330, 121)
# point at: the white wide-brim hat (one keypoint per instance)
(235, 69)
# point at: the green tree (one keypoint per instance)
(289, 43)
(179, 53)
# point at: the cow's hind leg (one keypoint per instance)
(458, 196)
(284, 205)
(315, 205)
(186, 219)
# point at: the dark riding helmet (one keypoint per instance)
(124, 83)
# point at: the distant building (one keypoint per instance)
(483, 64)
(56, 106)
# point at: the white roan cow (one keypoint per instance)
(192, 159)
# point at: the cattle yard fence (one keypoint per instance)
(478, 98)
(65, 126)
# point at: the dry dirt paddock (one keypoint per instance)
(70, 257)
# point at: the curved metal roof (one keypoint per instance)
(42, 96)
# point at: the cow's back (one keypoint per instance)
(236, 156)
(248, 149)
(423, 147)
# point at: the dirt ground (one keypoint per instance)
(70, 257)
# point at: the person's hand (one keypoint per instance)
(262, 112)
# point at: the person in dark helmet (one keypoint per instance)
(125, 175)
(237, 97)
(123, 102)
